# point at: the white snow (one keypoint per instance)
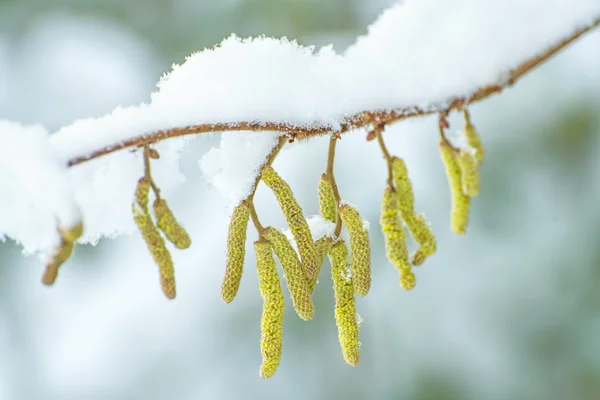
(36, 195)
(418, 53)
(232, 167)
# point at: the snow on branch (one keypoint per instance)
(420, 57)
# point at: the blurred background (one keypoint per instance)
(510, 311)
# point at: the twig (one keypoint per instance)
(354, 122)
(331, 177)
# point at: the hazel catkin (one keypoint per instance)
(323, 245)
(166, 222)
(236, 251)
(271, 324)
(360, 248)
(461, 203)
(295, 219)
(158, 250)
(345, 304)
(297, 281)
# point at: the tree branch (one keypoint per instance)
(354, 122)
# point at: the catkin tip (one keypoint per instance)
(407, 280)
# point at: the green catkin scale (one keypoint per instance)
(360, 249)
(154, 241)
(166, 222)
(393, 234)
(295, 219)
(297, 282)
(326, 199)
(417, 225)
(474, 140)
(345, 305)
(469, 173)
(271, 324)
(68, 237)
(461, 203)
(236, 247)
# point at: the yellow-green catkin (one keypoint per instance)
(166, 222)
(323, 246)
(469, 172)
(297, 281)
(461, 203)
(345, 305)
(474, 140)
(271, 324)
(154, 241)
(393, 234)
(360, 249)
(68, 237)
(158, 250)
(416, 224)
(236, 249)
(295, 219)
(326, 199)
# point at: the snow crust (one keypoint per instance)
(418, 53)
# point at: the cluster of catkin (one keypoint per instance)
(151, 232)
(300, 268)
(397, 207)
(462, 167)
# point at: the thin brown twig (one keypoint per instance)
(331, 177)
(250, 199)
(148, 172)
(387, 156)
(354, 122)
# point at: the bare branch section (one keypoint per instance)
(356, 121)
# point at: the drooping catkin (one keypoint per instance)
(360, 248)
(271, 324)
(345, 305)
(417, 225)
(469, 172)
(68, 237)
(236, 250)
(326, 199)
(166, 222)
(295, 219)
(158, 250)
(297, 281)
(323, 245)
(393, 234)
(473, 139)
(460, 202)
(154, 241)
